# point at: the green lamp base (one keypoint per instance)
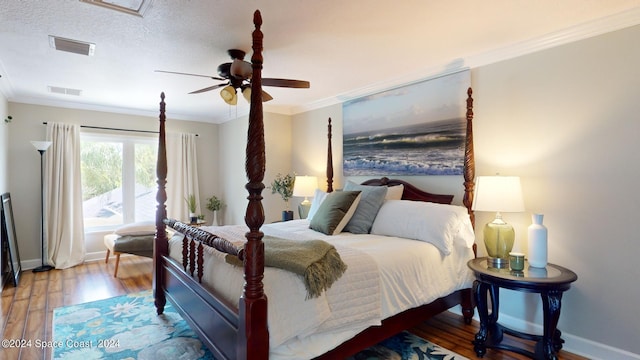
(498, 240)
(497, 263)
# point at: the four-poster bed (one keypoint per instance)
(238, 327)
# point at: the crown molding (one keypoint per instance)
(65, 104)
(575, 33)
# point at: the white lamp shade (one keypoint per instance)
(41, 145)
(305, 186)
(498, 193)
(241, 69)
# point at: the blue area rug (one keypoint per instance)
(406, 346)
(127, 327)
(123, 327)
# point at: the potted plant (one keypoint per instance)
(283, 185)
(214, 204)
(192, 204)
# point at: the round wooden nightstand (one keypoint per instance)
(549, 282)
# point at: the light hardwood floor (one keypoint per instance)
(27, 310)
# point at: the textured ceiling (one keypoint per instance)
(344, 48)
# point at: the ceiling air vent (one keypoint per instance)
(72, 46)
(64, 91)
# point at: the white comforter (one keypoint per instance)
(385, 276)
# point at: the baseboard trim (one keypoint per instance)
(30, 264)
(573, 344)
(88, 257)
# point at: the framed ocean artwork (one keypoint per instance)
(418, 129)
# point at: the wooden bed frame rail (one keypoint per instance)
(243, 333)
(193, 243)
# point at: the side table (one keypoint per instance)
(549, 282)
(198, 223)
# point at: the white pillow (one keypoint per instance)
(318, 198)
(394, 192)
(439, 224)
(138, 228)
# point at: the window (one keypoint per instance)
(118, 180)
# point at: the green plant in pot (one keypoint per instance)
(214, 204)
(192, 204)
(283, 185)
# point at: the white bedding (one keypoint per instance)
(385, 276)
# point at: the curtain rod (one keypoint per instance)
(116, 129)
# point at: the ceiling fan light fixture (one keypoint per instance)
(238, 75)
(228, 94)
(241, 69)
(246, 93)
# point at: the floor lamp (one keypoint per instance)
(42, 146)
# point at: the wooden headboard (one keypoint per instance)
(411, 192)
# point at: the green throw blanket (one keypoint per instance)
(316, 261)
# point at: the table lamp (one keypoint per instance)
(499, 194)
(305, 186)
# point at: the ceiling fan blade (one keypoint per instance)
(181, 73)
(266, 97)
(209, 88)
(299, 84)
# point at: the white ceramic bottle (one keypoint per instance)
(537, 245)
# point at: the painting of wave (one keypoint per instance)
(419, 129)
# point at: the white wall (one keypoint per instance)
(233, 141)
(24, 164)
(4, 145)
(4, 153)
(566, 121)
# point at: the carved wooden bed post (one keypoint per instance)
(469, 161)
(253, 339)
(160, 244)
(469, 184)
(329, 160)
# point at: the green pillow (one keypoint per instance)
(372, 198)
(335, 212)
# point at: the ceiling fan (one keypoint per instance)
(237, 75)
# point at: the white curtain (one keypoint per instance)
(182, 175)
(63, 197)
